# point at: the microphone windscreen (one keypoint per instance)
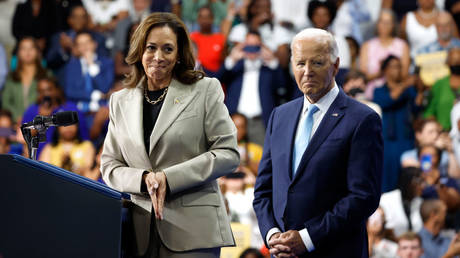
(65, 118)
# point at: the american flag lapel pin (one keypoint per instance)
(335, 114)
(176, 101)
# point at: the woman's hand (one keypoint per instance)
(156, 186)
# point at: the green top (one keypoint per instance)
(441, 102)
(13, 97)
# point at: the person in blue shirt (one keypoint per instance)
(433, 215)
(445, 27)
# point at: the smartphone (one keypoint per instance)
(426, 162)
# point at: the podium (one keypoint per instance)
(50, 212)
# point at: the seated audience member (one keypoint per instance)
(20, 89)
(445, 28)
(105, 15)
(355, 86)
(321, 16)
(455, 131)
(354, 47)
(7, 132)
(3, 67)
(251, 253)
(62, 43)
(410, 245)
(189, 12)
(138, 11)
(253, 77)
(437, 186)
(454, 248)
(121, 67)
(274, 36)
(351, 16)
(250, 153)
(37, 19)
(95, 171)
(428, 132)
(444, 92)
(240, 197)
(402, 205)
(434, 243)
(211, 46)
(399, 104)
(377, 49)
(68, 151)
(51, 100)
(88, 76)
(418, 27)
(380, 240)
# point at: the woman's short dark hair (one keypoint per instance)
(387, 61)
(315, 4)
(183, 71)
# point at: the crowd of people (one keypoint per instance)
(401, 58)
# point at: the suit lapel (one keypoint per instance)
(291, 132)
(177, 99)
(134, 120)
(328, 123)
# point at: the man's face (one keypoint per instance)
(444, 26)
(78, 19)
(312, 66)
(409, 249)
(205, 19)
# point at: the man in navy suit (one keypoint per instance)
(320, 174)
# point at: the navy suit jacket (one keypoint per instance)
(269, 82)
(337, 184)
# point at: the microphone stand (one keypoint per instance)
(33, 140)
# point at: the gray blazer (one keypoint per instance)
(194, 143)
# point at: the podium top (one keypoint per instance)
(70, 177)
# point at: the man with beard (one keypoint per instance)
(445, 27)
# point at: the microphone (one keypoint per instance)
(63, 118)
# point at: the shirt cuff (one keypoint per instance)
(271, 232)
(306, 240)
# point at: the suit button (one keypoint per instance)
(291, 191)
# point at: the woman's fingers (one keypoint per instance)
(161, 192)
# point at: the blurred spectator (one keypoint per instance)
(402, 205)
(437, 186)
(445, 28)
(7, 133)
(106, 14)
(37, 19)
(260, 18)
(211, 46)
(50, 100)
(252, 76)
(454, 248)
(62, 43)
(380, 245)
(20, 89)
(355, 85)
(410, 245)
(351, 15)
(453, 7)
(418, 26)
(321, 15)
(140, 9)
(68, 151)
(251, 253)
(121, 67)
(374, 51)
(354, 47)
(95, 171)
(290, 14)
(190, 9)
(433, 214)
(399, 103)
(64, 8)
(444, 92)
(3, 67)
(250, 153)
(428, 132)
(88, 76)
(455, 131)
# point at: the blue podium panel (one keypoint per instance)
(49, 212)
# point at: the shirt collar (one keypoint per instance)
(323, 103)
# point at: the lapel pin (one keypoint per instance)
(176, 101)
(335, 114)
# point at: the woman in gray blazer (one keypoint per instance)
(170, 137)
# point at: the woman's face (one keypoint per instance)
(27, 53)
(426, 4)
(321, 18)
(385, 24)
(68, 133)
(393, 70)
(429, 133)
(161, 53)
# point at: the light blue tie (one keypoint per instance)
(301, 142)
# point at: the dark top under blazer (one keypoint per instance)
(337, 185)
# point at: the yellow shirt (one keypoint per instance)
(78, 154)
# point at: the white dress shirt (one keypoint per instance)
(323, 106)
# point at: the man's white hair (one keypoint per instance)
(321, 36)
